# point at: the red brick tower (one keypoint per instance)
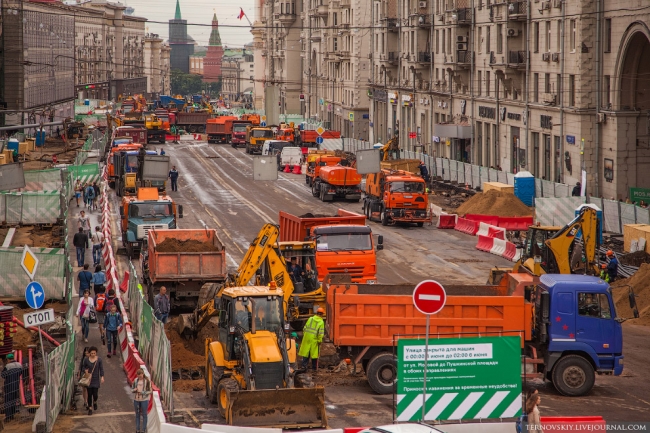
(212, 60)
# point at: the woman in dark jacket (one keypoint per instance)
(93, 366)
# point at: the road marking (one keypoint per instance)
(429, 297)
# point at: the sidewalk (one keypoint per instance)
(115, 411)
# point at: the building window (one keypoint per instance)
(536, 36)
(443, 45)
(608, 35)
(607, 89)
(547, 83)
(548, 36)
(449, 50)
(480, 39)
(572, 90)
(487, 83)
(487, 39)
(499, 38)
(437, 45)
(558, 85)
(536, 87)
(413, 46)
(335, 47)
(479, 83)
(573, 35)
(560, 23)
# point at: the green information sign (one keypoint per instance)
(638, 194)
(467, 378)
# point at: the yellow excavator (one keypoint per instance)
(553, 250)
(390, 149)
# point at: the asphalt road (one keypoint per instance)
(216, 189)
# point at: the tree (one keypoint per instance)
(191, 84)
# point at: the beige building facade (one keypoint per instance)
(157, 65)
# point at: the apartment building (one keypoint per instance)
(552, 87)
(238, 75)
(157, 65)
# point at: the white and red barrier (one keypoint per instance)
(446, 221)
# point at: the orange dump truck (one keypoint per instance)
(219, 129)
(182, 260)
(396, 196)
(337, 182)
(343, 243)
(110, 163)
(567, 324)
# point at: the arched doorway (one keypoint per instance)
(635, 74)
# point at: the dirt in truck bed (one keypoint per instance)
(640, 283)
(170, 245)
(311, 215)
(494, 203)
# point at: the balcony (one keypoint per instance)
(391, 25)
(319, 11)
(343, 54)
(464, 58)
(424, 21)
(286, 19)
(517, 59)
(424, 57)
(518, 10)
(345, 4)
(315, 38)
(393, 57)
(493, 58)
(344, 28)
(464, 16)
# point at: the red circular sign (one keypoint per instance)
(429, 297)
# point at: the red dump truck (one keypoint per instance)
(219, 129)
(308, 138)
(343, 243)
(337, 182)
(182, 260)
(190, 122)
(567, 324)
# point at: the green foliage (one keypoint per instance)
(190, 84)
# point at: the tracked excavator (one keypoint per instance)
(249, 373)
(390, 149)
(554, 250)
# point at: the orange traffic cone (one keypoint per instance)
(287, 169)
(296, 169)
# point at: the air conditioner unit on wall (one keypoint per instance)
(549, 98)
(557, 4)
(555, 57)
(461, 47)
(602, 118)
(546, 57)
(512, 32)
(546, 5)
(461, 39)
(422, 4)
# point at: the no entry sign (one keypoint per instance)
(429, 297)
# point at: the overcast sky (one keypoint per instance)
(234, 33)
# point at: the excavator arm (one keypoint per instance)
(391, 145)
(560, 243)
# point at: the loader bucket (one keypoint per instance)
(280, 408)
(186, 325)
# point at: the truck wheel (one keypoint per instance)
(382, 373)
(420, 224)
(200, 129)
(573, 376)
(212, 377)
(224, 386)
(314, 189)
(207, 293)
(384, 217)
(192, 129)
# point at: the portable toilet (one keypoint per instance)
(13, 144)
(40, 138)
(525, 187)
(599, 215)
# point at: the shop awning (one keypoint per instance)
(452, 131)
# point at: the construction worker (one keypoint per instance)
(312, 338)
(603, 273)
(612, 266)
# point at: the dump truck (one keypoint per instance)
(129, 173)
(110, 160)
(337, 182)
(145, 211)
(253, 119)
(567, 323)
(315, 163)
(288, 132)
(186, 261)
(255, 138)
(190, 122)
(394, 196)
(155, 130)
(238, 137)
(219, 129)
(344, 244)
(138, 134)
(308, 137)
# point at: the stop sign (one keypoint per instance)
(429, 297)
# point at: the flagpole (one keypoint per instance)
(243, 14)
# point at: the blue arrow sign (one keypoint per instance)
(263, 124)
(35, 295)
(319, 140)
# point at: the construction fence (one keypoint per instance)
(462, 173)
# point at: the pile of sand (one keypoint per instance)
(494, 203)
(170, 245)
(183, 354)
(640, 283)
(188, 385)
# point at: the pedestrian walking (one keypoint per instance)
(112, 323)
(85, 277)
(98, 244)
(93, 366)
(312, 338)
(78, 188)
(89, 197)
(534, 420)
(161, 305)
(97, 193)
(99, 279)
(84, 310)
(84, 223)
(141, 394)
(173, 177)
(80, 374)
(111, 299)
(11, 375)
(80, 241)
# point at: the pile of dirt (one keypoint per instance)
(183, 355)
(640, 283)
(170, 245)
(32, 236)
(635, 259)
(311, 215)
(494, 203)
(188, 385)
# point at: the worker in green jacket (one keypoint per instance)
(312, 338)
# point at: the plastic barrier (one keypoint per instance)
(354, 429)
(573, 423)
(483, 229)
(515, 223)
(124, 285)
(466, 226)
(485, 243)
(496, 232)
(499, 247)
(446, 221)
(510, 252)
(488, 219)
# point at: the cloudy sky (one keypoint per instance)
(234, 33)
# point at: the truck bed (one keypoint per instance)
(294, 228)
(373, 315)
(189, 262)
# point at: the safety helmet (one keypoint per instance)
(604, 266)
(320, 310)
(610, 253)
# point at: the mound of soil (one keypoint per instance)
(640, 283)
(186, 385)
(311, 215)
(184, 354)
(170, 245)
(494, 203)
(635, 259)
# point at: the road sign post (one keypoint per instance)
(429, 298)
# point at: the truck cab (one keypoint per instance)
(396, 196)
(346, 249)
(239, 129)
(255, 138)
(143, 212)
(126, 167)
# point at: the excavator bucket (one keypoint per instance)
(186, 325)
(281, 408)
